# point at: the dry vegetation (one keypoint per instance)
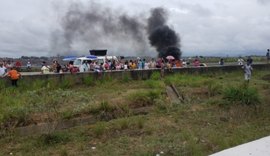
(218, 111)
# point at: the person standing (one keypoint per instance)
(14, 76)
(143, 63)
(221, 61)
(268, 55)
(9, 65)
(240, 61)
(249, 60)
(18, 65)
(247, 70)
(140, 64)
(28, 65)
(162, 68)
(3, 70)
(45, 69)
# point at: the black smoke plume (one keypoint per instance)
(161, 36)
(96, 26)
(99, 27)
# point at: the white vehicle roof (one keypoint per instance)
(85, 58)
(107, 57)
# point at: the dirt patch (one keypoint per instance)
(201, 92)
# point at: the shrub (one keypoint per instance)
(144, 98)
(242, 95)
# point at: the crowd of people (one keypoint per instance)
(11, 72)
(109, 65)
(11, 69)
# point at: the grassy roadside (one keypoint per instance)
(210, 119)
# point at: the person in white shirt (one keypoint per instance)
(3, 70)
(248, 71)
(240, 61)
(28, 65)
(146, 65)
(45, 69)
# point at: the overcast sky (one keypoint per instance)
(208, 27)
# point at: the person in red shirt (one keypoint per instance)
(14, 76)
(18, 65)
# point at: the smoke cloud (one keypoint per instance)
(161, 36)
(99, 27)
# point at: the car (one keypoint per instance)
(78, 62)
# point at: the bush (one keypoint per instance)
(144, 98)
(242, 95)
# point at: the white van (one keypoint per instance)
(103, 59)
(100, 60)
(78, 63)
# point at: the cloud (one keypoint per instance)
(264, 1)
(205, 27)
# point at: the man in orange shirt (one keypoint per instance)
(14, 76)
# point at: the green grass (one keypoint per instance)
(200, 125)
(242, 95)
